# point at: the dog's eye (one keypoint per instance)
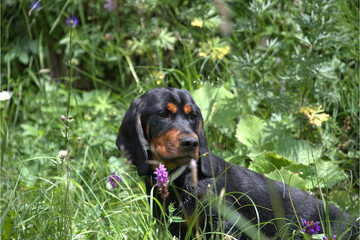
(164, 114)
(192, 116)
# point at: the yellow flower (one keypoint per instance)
(197, 23)
(315, 115)
(220, 52)
(158, 76)
(215, 48)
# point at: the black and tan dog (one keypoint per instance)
(165, 126)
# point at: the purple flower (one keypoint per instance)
(113, 179)
(72, 21)
(332, 238)
(34, 5)
(110, 5)
(310, 227)
(161, 176)
(162, 180)
(303, 222)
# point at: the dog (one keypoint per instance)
(217, 199)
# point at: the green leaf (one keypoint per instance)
(165, 40)
(267, 162)
(217, 105)
(249, 131)
(259, 134)
(205, 97)
(288, 177)
(9, 56)
(8, 225)
(24, 58)
(329, 173)
(226, 108)
(299, 151)
(308, 171)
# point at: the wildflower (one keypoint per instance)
(158, 76)
(5, 95)
(315, 115)
(311, 227)
(113, 179)
(72, 21)
(34, 5)
(110, 5)
(63, 153)
(214, 48)
(332, 238)
(162, 180)
(197, 23)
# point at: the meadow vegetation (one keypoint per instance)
(277, 83)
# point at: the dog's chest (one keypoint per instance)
(186, 197)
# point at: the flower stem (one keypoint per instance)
(67, 143)
(70, 71)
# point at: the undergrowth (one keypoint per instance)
(277, 83)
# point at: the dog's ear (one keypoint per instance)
(131, 140)
(206, 166)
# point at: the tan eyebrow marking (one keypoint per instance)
(172, 108)
(187, 109)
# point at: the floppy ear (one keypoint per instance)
(131, 139)
(206, 166)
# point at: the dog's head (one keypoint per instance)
(164, 125)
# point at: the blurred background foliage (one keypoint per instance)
(277, 83)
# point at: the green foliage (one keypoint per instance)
(217, 105)
(253, 67)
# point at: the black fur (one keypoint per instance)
(255, 197)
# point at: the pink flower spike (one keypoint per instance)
(162, 180)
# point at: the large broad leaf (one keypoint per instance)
(329, 174)
(306, 171)
(256, 134)
(217, 105)
(226, 109)
(288, 177)
(299, 151)
(279, 168)
(205, 97)
(249, 131)
(267, 162)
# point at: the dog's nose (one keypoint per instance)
(189, 143)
